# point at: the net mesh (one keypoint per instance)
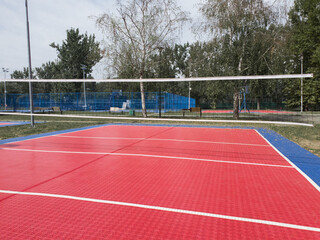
(97, 101)
(205, 99)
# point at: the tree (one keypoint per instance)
(136, 31)
(49, 70)
(24, 74)
(46, 71)
(305, 27)
(246, 32)
(19, 87)
(76, 50)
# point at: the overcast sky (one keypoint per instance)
(49, 20)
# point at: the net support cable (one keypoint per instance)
(176, 120)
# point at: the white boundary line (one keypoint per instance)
(145, 155)
(163, 139)
(166, 209)
(222, 78)
(159, 119)
(54, 134)
(292, 164)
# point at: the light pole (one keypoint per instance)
(5, 70)
(84, 67)
(30, 69)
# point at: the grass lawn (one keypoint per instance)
(306, 137)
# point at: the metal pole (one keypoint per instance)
(160, 75)
(5, 96)
(301, 83)
(85, 94)
(30, 68)
(189, 95)
(160, 102)
(5, 93)
(5, 70)
(84, 67)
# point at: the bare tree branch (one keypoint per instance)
(137, 30)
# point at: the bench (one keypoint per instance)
(56, 109)
(193, 109)
(42, 109)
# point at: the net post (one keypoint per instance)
(84, 67)
(301, 82)
(159, 102)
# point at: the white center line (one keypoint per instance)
(163, 139)
(146, 155)
(166, 209)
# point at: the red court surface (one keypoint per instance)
(153, 182)
(6, 123)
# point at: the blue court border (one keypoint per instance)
(303, 159)
(13, 123)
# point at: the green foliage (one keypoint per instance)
(77, 49)
(135, 33)
(305, 26)
(19, 87)
(247, 39)
(24, 74)
(49, 70)
(247, 36)
(305, 22)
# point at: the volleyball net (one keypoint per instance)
(255, 98)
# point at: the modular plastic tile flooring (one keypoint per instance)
(154, 182)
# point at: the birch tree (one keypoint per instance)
(135, 32)
(238, 24)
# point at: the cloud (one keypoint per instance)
(49, 21)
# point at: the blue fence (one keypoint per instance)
(98, 101)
